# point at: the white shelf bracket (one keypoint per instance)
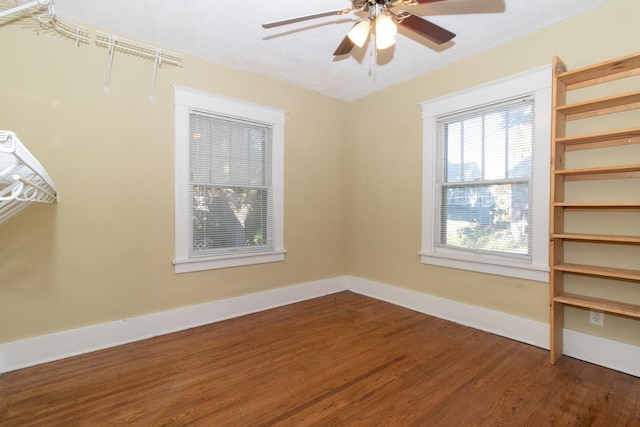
(112, 50)
(156, 65)
(119, 46)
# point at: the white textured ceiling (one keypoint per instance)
(230, 33)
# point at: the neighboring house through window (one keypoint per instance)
(486, 177)
(229, 182)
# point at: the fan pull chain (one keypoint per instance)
(372, 58)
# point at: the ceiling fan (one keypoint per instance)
(383, 17)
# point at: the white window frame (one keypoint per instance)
(186, 100)
(536, 82)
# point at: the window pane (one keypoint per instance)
(453, 140)
(229, 218)
(472, 149)
(490, 218)
(229, 152)
(520, 141)
(495, 145)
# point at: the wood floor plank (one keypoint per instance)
(343, 359)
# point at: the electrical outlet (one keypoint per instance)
(596, 318)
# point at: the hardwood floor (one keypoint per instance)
(339, 360)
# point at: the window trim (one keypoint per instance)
(187, 99)
(538, 83)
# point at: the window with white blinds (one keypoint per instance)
(483, 181)
(229, 166)
(485, 189)
(231, 195)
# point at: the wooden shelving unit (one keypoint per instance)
(563, 82)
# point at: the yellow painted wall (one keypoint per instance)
(385, 170)
(104, 251)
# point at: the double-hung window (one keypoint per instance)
(485, 178)
(229, 182)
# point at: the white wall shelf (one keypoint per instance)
(23, 180)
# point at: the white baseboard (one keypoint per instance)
(496, 322)
(590, 348)
(601, 351)
(46, 348)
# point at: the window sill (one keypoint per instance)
(226, 261)
(487, 265)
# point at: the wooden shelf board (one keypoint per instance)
(602, 72)
(604, 238)
(619, 169)
(597, 107)
(600, 139)
(592, 270)
(601, 176)
(599, 207)
(600, 304)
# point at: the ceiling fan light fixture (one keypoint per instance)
(382, 20)
(386, 31)
(359, 32)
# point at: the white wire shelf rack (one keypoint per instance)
(40, 16)
(23, 180)
(160, 57)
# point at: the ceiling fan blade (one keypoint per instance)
(426, 29)
(307, 17)
(345, 47)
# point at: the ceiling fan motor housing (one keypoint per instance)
(359, 4)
